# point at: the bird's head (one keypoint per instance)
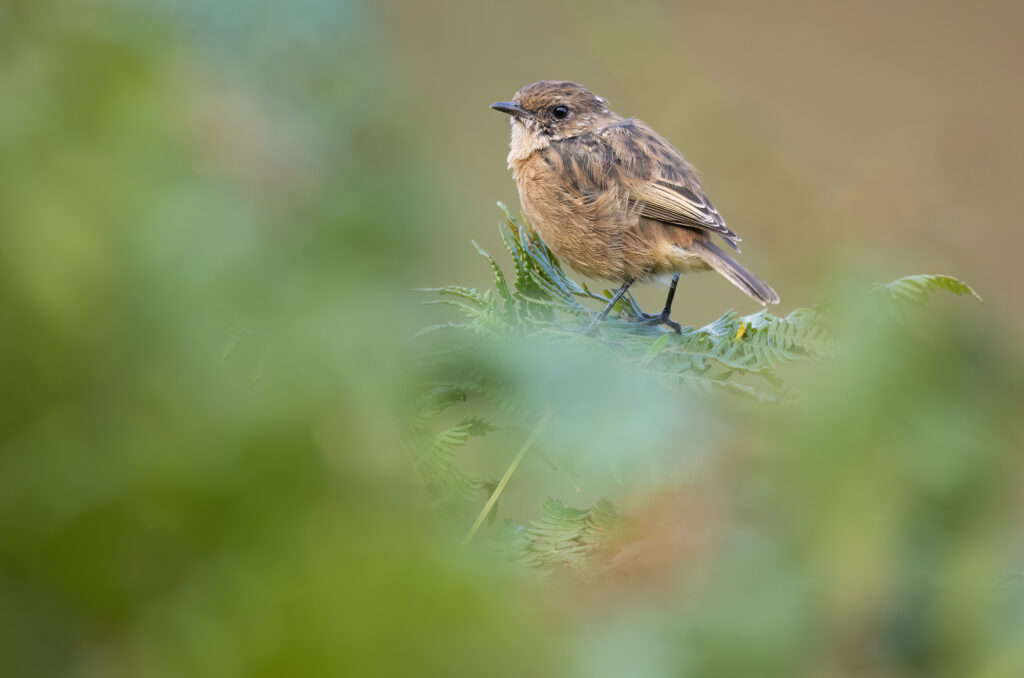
(551, 110)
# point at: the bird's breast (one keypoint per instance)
(587, 226)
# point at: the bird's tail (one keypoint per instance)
(758, 289)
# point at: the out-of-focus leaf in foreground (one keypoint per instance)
(841, 512)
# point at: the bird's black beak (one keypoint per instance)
(510, 107)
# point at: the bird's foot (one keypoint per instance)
(660, 319)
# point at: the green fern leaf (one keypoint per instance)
(542, 301)
(917, 288)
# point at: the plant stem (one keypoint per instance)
(493, 499)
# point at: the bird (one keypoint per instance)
(614, 199)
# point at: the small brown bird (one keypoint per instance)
(612, 198)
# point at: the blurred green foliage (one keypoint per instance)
(857, 523)
(211, 216)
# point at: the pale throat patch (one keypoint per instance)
(524, 142)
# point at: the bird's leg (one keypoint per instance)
(671, 295)
(608, 308)
(663, 317)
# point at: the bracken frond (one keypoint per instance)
(541, 301)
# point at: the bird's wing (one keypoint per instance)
(661, 184)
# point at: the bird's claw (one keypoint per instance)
(659, 319)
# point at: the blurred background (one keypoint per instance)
(212, 218)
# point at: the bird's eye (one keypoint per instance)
(560, 111)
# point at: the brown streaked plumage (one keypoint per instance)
(611, 197)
